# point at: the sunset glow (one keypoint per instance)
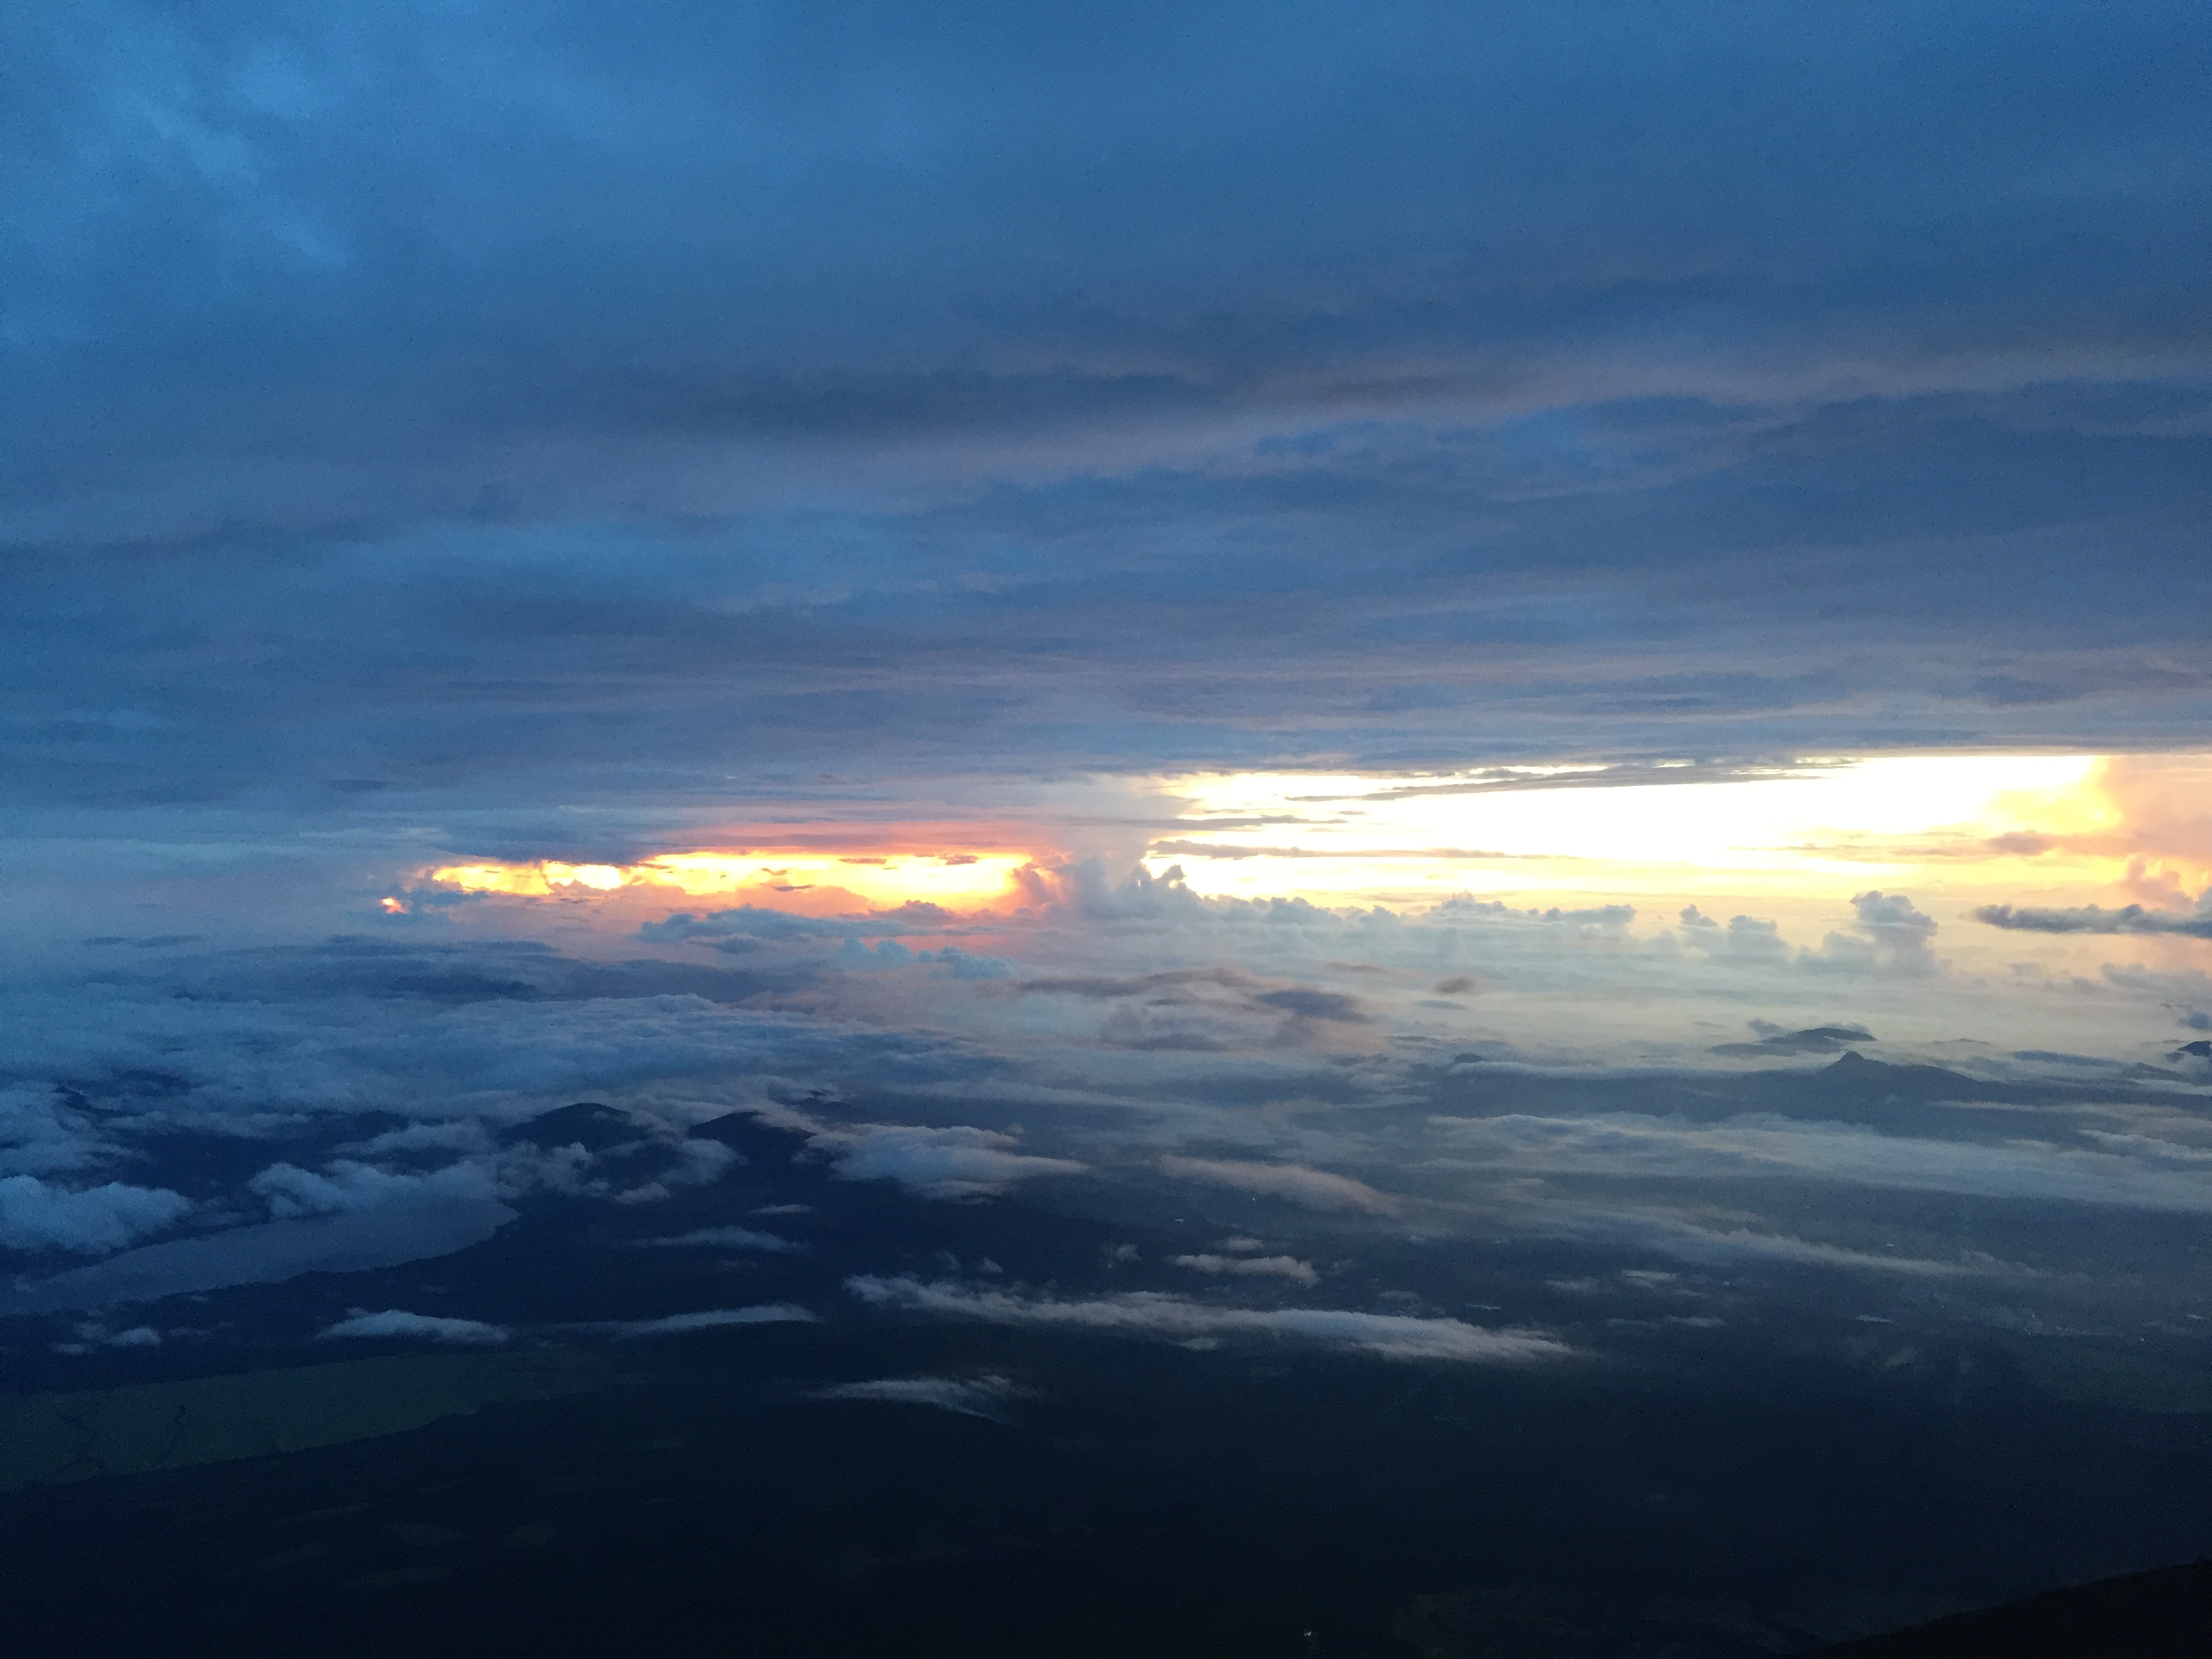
(2083, 824)
(1973, 816)
(799, 881)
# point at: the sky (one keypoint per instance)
(1125, 594)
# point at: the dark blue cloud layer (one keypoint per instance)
(496, 406)
(2096, 918)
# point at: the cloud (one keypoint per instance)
(34, 1215)
(950, 961)
(1215, 1007)
(1746, 939)
(2095, 919)
(1686, 1241)
(282, 1044)
(1309, 1003)
(747, 926)
(776, 1313)
(1600, 918)
(970, 1396)
(1315, 1189)
(726, 1238)
(93, 1334)
(1891, 935)
(887, 953)
(1139, 895)
(349, 1186)
(958, 1162)
(269, 1253)
(42, 1131)
(2141, 1173)
(974, 470)
(954, 962)
(1208, 850)
(1151, 1313)
(1251, 1267)
(1813, 1040)
(394, 1322)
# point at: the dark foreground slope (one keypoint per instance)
(676, 1429)
(2165, 1615)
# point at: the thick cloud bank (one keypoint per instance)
(655, 400)
(2095, 919)
(1308, 1090)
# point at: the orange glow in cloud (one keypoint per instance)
(2158, 812)
(2038, 828)
(791, 881)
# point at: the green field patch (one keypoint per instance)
(91, 1434)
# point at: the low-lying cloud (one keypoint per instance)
(965, 1396)
(1314, 1189)
(719, 1238)
(34, 1215)
(2135, 1172)
(394, 1322)
(632, 1330)
(1153, 1313)
(1251, 1267)
(957, 1162)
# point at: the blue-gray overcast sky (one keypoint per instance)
(518, 405)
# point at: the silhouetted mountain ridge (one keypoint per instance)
(2166, 1613)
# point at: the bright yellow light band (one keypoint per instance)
(953, 879)
(1354, 835)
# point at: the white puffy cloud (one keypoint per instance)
(397, 1322)
(1315, 1189)
(1153, 1313)
(958, 1162)
(1889, 935)
(1744, 939)
(346, 1186)
(34, 1215)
